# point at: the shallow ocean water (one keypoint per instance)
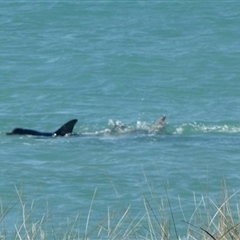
(126, 61)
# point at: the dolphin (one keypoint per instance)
(159, 124)
(65, 129)
(120, 128)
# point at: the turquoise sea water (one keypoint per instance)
(131, 61)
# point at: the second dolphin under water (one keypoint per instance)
(119, 128)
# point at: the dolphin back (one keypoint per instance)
(24, 131)
(67, 128)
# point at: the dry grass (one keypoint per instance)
(218, 220)
(210, 220)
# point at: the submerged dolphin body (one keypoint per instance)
(120, 128)
(65, 129)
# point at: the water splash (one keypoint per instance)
(195, 127)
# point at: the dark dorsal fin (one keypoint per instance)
(66, 128)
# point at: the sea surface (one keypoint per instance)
(128, 61)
